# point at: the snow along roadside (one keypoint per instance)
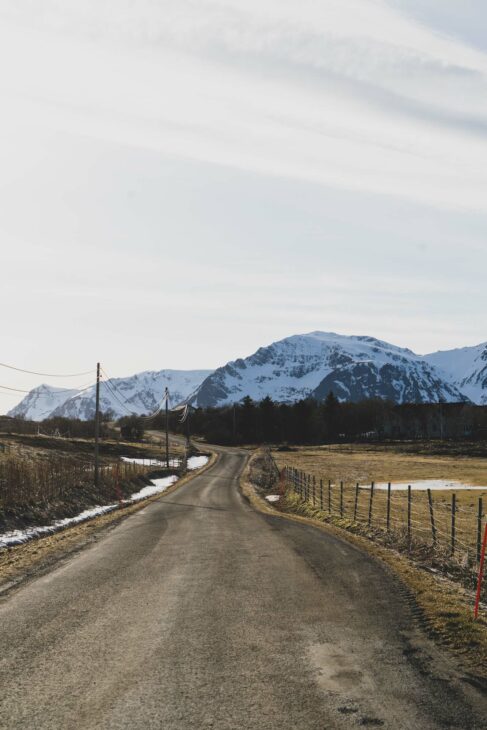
(158, 486)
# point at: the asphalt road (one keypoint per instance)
(198, 612)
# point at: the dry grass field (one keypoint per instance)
(44, 478)
(363, 464)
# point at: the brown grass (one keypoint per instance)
(44, 478)
(364, 464)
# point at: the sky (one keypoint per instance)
(184, 181)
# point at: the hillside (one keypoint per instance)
(465, 368)
(141, 394)
(310, 365)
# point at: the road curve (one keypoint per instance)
(198, 612)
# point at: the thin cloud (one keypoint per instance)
(383, 119)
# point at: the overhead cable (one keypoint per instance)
(47, 375)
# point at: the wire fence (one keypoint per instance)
(25, 482)
(438, 525)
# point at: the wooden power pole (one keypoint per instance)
(167, 428)
(97, 426)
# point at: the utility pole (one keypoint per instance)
(234, 423)
(167, 428)
(97, 426)
(188, 434)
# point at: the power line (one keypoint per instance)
(46, 375)
(17, 390)
(49, 392)
(112, 393)
(155, 413)
(13, 395)
(113, 386)
(114, 390)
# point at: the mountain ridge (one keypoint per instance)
(354, 367)
(140, 393)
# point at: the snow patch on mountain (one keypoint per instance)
(140, 394)
(465, 368)
(41, 402)
(310, 365)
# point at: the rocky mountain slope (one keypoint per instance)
(141, 394)
(296, 367)
(41, 402)
(313, 364)
(465, 368)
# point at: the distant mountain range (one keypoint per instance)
(140, 393)
(314, 364)
(301, 366)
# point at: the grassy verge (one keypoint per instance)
(445, 607)
(335, 470)
(22, 562)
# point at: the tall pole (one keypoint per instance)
(188, 433)
(167, 428)
(97, 426)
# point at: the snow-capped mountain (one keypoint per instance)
(465, 368)
(41, 402)
(313, 364)
(141, 394)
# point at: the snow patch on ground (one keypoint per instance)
(196, 462)
(158, 485)
(273, 498)
(148, 462)
(423, 485)
(17, 537)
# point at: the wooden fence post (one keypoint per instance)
(481, 574)
(409, 514)
(329, 496)
(371, 500)
(355, 506)
(453, 516)
(432, 516)
(321, 494)
(388, 515)
(314, 491)
(341, 499)
(479, 530)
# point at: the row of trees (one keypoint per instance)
(311, 422)
(304, 422)
(131, 427)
